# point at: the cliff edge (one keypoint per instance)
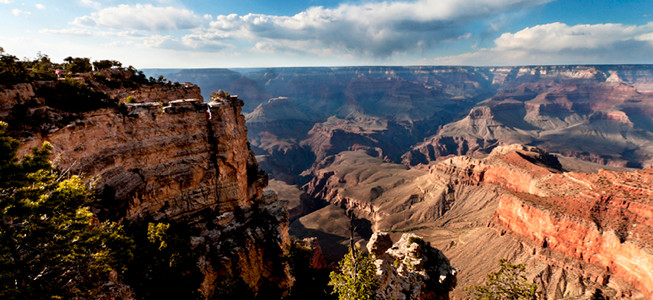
(166, 160)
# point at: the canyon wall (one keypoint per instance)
(163, 161)
(603, 219)
(575, 232)
(173, 161)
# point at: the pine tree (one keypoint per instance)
(50, 241)
(357, 276)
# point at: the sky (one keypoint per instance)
(264, 33)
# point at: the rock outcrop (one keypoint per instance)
(181, 161)
(163, 161)
(411, 268)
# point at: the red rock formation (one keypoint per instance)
(604, 219)
(574, 231)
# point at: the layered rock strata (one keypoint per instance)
(179, 161)
(163, 161)
(603, 219)
(575, 232)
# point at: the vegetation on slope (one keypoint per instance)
(507, 283)
(51, 242)
(356, 278)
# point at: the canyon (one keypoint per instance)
(575, 232)
(545, 166)
(447, 153)
(414, 115)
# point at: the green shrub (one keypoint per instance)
(357, 277)
(130, 99)
(73, 96)
(507, 283)
(51, 242)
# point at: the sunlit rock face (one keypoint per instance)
(411, 268)
(574, 231)
(171, 157)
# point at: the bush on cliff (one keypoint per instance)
(50, 241)
(77, 64)
(507, 283)
(74, 96)
(12, 70)
(357, 277)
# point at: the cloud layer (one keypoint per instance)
(141, 17)
(559, 43)
(376, 29)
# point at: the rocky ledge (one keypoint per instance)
(411, 268)
(174, 161)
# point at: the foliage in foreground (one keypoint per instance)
(50, 241)
(357, 277)
(507, 283)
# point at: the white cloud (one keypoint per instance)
(5, 1)
(18, 12)
(97, 33)
(141, 17)
(39, 6)
(378, 29)
(90, 3)
(68, 31)
(558, 43)
(206, 41)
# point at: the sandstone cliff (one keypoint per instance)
(171, 158)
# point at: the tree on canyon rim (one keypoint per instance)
(356, 278)
(507, 283)
(50, 241)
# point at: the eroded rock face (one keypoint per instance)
(584, 116)
(411, 269)
(379, 243)
(163, 161)
(603, 219)
(181, 161)
(575, 232)
(248, 245)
